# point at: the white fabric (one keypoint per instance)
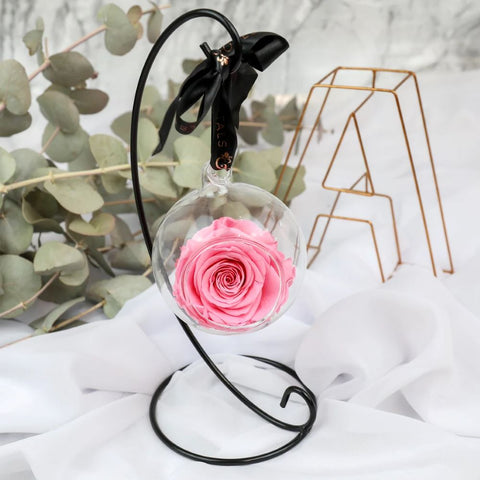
(396, 367)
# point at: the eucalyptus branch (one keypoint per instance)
(147, 272)
(86, 37)
(25, 303)
(82, 173)
(50, 140)
(68, 321)
(98, 305)
(106, 248)
(126, 202)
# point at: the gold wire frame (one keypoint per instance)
(328, 82)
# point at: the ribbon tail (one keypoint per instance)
(166, 126)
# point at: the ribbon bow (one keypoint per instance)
(222, 91)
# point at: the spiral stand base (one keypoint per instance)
(303, 430)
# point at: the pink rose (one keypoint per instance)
(231, 275)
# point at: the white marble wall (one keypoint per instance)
(415, 34)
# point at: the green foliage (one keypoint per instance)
(33, 38)
(77, 195)
(11, 124)
(191, 154)
(121, 35)
(18, 283)
(60, 111)
(154, 23)
(68, 69)
(14, 87)
(46, 323)
(116, 291)
(15, 232)
(78, 188)
(7, 166)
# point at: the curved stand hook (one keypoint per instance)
(301, 390)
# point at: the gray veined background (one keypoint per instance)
(423, 35)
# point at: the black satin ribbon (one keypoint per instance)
(223, 91)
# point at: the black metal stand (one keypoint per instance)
(301, 390)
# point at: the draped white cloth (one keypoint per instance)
(395, 366)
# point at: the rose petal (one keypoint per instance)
(231, 274)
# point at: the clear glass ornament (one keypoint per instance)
(230, 257)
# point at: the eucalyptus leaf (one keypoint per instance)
(14, 87)
(154, 210)
(189, 65)
(236, 210)
(121, 233)
(121, 35)
(258, 109)
(251, 167)
(60, 111)
(269, 103)
(59, 292)
(297, 187)
(132, 256)
(7, 166)
(76, 195)
(158, 181)
(76, 277)
(65, 147)
(59, 88)
(273, 156)
(41, 210)
(46, 323)
(150, 96)
(134, 14)
(157, 112)
(89, 101)
(192, 154)
(117, 203)
(55, 257)
(91, 245)
(154, 24)
(139, 29)
(100, 224)
(273, 131)
(109, 151)
(33, 41)
(68, 69)
(121, 126)
(40, 57)
(289, 114)
(248, 133)
(116, 291)
(15, 232)
(206, 137)
(18, 283)
(173, 89)
(11, 124)
(27, 161)
(147, 139)
(84, 161)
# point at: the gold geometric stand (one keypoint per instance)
(406, 125)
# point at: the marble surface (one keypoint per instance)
(422, 35)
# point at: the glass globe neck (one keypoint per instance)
(210, 176)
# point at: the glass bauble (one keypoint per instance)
(230, 257)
